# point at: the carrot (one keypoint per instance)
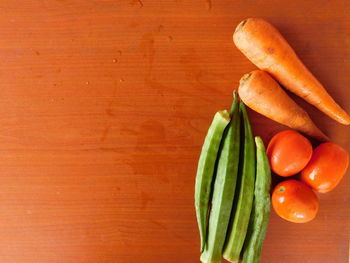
(263, 45)
(259, 91)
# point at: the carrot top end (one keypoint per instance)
(241, 24)
(245, 78)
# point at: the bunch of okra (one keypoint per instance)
(232, 192)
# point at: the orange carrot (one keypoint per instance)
(263, 45)
(260, 92)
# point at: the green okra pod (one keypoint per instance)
(205, 170)
(224, 188)
(261, 206)
(244, 196)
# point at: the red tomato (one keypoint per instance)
(326, 168)
(294, 201)
(289, 152)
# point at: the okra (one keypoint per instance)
(224, 188)
(244, 198)
(205, 170)
(261, 206)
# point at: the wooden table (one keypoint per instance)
(104, 107)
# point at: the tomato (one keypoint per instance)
(294, 201)
(289, 152)
(326, 168)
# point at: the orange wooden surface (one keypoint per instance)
(104, 105)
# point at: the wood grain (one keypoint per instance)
(104, 106)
